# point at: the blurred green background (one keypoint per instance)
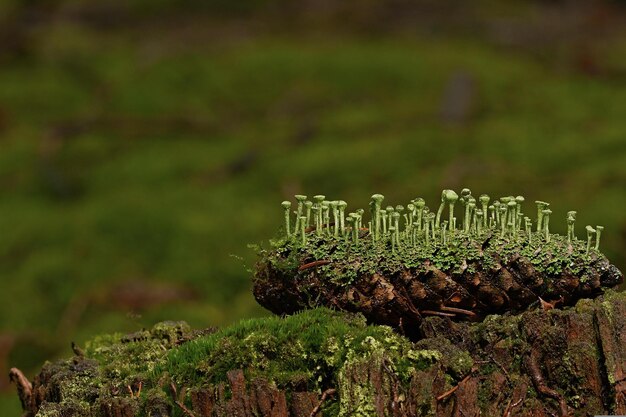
(145, 143)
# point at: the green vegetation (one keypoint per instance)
(307, 348)
(306, 351)
(420, 240)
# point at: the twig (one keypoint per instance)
(313, 264)
(133, 394)
(510, 407)
(24, 387)
(178, 401)
(325, 394)
(453, 389)
(458, 310)
(508, 377)
(437, 313)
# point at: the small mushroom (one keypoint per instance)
(334, 206)
(529, 231)
(320, 212)
(377, 200)
(571, 220)
(590, 232)
(411, 210)
(286, 205)
(308, 205)
(599, 230)
(400, 210)
(546, 223)
(300, 210)
(303, 229)
(484, 202)
(419, 206)
(512, 216)
(451, 198)
(396, 225)
(541, 205)
(342, 215)
(389, 210)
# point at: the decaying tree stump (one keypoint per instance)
(569, 362)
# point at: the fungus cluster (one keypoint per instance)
(415, 224)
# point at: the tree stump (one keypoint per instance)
(561, 362)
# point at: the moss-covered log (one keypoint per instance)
(560, 362)
(465, 282)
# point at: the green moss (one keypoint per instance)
(311, 346)
(349, 260)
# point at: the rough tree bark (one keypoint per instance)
(569, 362)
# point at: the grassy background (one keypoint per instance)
(143, 146)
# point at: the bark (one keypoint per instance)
(569, 362)
(403, 298)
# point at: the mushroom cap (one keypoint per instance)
(300, 197)
(492, 207)
(286, 204)
(471, 199)
(378, 198)
(512, 203)
(571, 213)
(546, 211)
(599, 228)
(308, 204)
(333, 204)
(410, 206)
(542, 204)
(360, 212)
(400, 207)
(520, 199)
(395, 214)
(389, 209)
(342, 204)
(419, 202)
(590, 229)
(319, 198)
(471, 204)
(325, 204)
(465, 192)
(449, 196)
(484, 198)
(505, 200)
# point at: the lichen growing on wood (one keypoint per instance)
(405, 266)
